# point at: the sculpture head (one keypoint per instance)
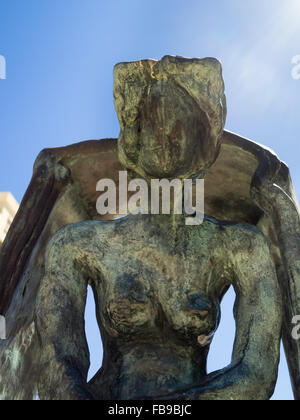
(172, 114)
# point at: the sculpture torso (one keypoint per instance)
(158, 285)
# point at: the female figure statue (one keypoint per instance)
(158, 283)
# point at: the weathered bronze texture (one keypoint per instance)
(158, 283)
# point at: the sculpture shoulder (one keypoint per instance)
(85, 231)
(249, 259)
(241, 239)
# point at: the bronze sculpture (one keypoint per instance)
(158, 283)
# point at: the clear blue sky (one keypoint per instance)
(60, 56)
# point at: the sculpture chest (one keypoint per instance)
(147, 290)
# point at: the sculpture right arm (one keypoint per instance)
(252, 373)
(60, 324)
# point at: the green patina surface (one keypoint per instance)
(158, 283)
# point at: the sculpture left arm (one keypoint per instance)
(276, 197)
(258, 311)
